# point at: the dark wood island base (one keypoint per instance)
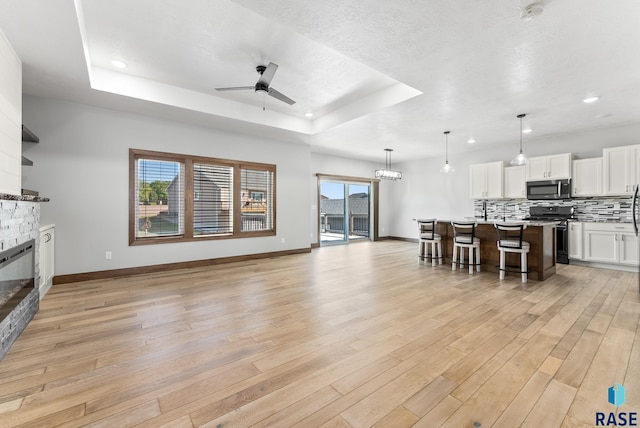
(540, 235)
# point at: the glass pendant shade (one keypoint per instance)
(520, 159)
(387, 173)
(446, 168)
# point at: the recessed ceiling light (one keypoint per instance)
(308, 114)
(527, 131)
(471, 140)
(589, 100)
(119, 64)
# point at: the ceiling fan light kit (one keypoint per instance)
(262, 85)
(387, 173)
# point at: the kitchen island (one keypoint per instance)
(541, 236)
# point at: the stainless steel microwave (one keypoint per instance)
(549, 189)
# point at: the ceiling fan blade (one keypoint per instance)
(280, 96)
(268, 73)
(236, 88)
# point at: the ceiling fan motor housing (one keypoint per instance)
(262, 87)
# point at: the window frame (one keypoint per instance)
(189, 197)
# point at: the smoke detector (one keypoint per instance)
(531, 11)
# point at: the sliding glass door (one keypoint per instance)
(344, 212)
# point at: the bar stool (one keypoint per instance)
(510, 241)
(464, 236)
(427, 235)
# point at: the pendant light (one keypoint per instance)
(521, 159)
(387, 172)
(446, 168)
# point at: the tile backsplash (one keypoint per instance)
(585, 209)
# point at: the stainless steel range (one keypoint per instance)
(561, 214)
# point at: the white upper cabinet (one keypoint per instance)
(10, 119)
(621, 169)
(515, 184)
(587, 177)
(486, 180)
(549, 167)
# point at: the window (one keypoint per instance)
(213, 211)
(257, 207)
(184, 198)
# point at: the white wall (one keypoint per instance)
(425, 192)
(10, 118)
(82, 164)
(335, 165)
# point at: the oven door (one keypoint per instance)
(562, 243)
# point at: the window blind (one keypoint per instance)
(212, 199)
(257, 208)
(159, 191)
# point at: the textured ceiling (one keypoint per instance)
(460, 65)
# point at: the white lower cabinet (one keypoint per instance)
(628, 249)
(613, 243)
(46, 258)
(575, 240)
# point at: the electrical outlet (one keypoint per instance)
(283, 240)
(108, 255)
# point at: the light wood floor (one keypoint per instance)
(359, 335)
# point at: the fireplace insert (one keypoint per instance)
(17, 276)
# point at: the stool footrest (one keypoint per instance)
(513, 269)
(428, 257)
(465, 263)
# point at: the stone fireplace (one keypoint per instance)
(19, 295)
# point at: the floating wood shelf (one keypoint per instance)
(28, 137)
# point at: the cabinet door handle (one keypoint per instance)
(622, 237)
(616, 236)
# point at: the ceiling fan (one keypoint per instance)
(262, 85)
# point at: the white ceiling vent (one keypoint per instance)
(531, 11)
